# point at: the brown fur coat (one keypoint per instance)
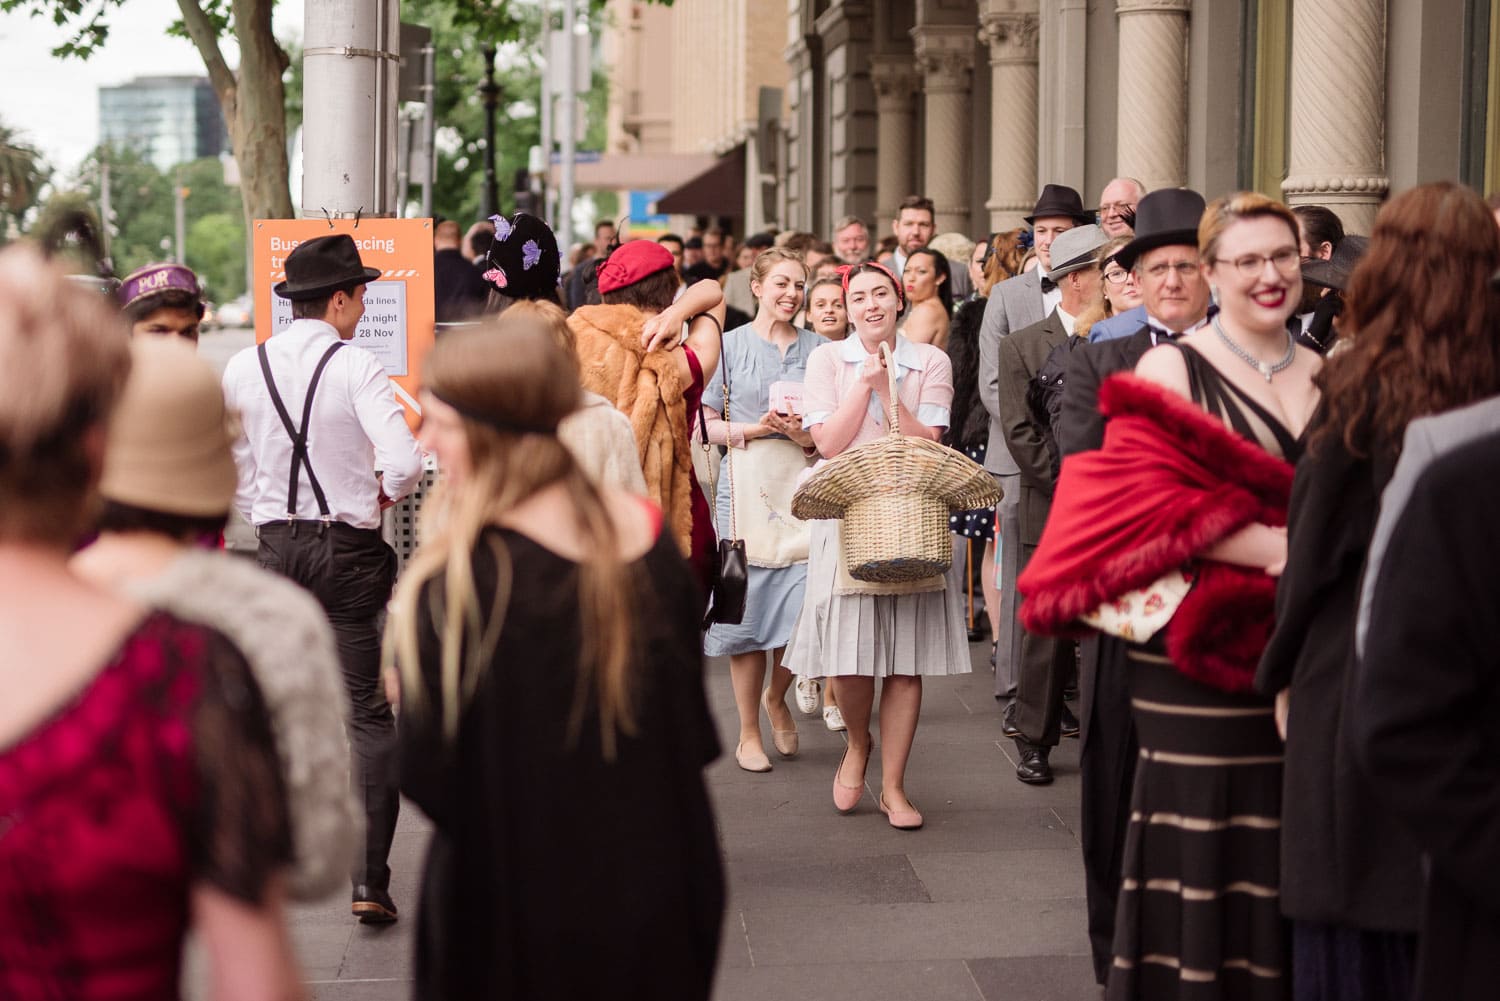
(648, 389)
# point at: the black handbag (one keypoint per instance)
(731, 576)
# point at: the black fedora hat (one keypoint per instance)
(1059, 200)
(322, 266)
(1168, 217)
(1335, 272)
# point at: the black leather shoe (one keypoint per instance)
(1008, 723)
(373, 906)
(1034, 768)
(1069, 723)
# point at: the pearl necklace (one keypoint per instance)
(1265, 368)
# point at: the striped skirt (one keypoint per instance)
(1199, 915)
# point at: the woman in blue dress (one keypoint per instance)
(766, 452)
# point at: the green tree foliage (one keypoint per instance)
(457, 26)
(23, 171)
(143, 205)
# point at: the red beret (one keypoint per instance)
(631, 262)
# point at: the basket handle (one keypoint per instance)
(889, 358)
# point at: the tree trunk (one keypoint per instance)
(253, 102)
(259, 129)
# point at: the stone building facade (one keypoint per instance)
(976, 103)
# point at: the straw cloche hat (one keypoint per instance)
(169, 438)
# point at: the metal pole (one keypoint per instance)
(547, 77)
(429, 124)
(349, 101)
(106, 212)
(180, 197)
(490, 92)
(568, 126)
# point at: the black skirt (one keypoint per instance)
(1199, 914)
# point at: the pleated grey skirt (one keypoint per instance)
(873, 635)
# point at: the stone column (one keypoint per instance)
(1152, 108)
(895, 81)
(1012, 38)
(1337, 151)
(945, 56)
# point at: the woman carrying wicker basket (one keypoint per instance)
(851, 631)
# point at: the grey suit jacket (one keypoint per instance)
(1427, 439)
(1022, 355)
(1013, 304)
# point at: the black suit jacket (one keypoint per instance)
(459, 290)
(1080, 428)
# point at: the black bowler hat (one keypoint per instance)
(1334, 273)
(1060, 200)
(322, 266)
(1168, 217)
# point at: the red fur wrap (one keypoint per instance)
(1169, 482)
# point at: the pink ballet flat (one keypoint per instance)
(846, 798)
(901, 820)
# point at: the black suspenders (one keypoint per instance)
(300, 457)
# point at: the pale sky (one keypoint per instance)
(55, 102)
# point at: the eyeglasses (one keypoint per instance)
(1185, 270)
(1286, 260)
(1118, 208)
(1117, 276)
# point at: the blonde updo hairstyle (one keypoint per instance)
(512, 382)
(63, 361)
(772, 256)
(1222, 213)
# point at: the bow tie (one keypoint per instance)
(1047, 285)
(1160, 334)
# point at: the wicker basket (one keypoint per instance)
(894, 496)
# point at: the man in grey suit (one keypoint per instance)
(1046, 662)
(1015, 303)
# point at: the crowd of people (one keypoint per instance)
(1243, 461)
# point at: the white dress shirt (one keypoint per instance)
(356, 428)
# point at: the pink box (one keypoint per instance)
(786, 397)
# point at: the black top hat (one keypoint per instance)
(1060, 200)
(323, 265)
(1168, 217)
(1335, 272)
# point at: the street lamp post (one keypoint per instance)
(489, 92)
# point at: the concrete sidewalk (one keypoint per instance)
(986, 902)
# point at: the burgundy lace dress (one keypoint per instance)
(160, 774)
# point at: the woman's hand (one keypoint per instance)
(1277, 543)
(662, 331)
(789, 425)
(873, 375)
(750, 432)
(1283, 710)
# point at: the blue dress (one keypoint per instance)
(774, 597)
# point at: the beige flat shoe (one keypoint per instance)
(786, 742)
(755, 761)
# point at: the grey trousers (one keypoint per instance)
(1008, 554)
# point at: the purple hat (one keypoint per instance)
(154, 279)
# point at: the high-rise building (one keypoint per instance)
(168, 119)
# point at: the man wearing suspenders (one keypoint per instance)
(318, 418)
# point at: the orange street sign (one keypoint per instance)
(398, 323)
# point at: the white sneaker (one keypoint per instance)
(833, 718)
(807, 695)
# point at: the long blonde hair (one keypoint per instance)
(512, 383)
